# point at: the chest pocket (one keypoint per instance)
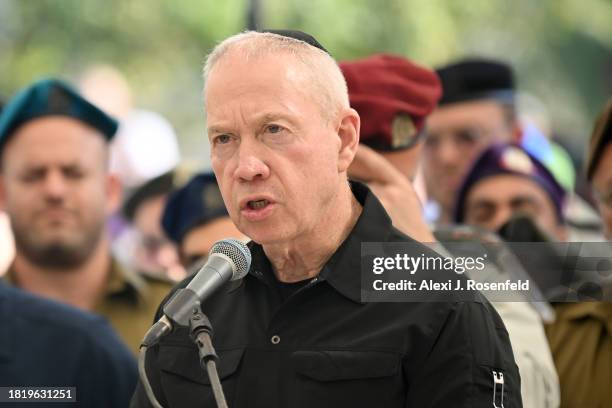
(181, 368)
(353, 379)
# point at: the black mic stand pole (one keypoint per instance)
(200, 331)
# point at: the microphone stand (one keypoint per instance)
(200, 331)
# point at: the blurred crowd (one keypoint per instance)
(108, 225)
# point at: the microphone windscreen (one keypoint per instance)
(238, 252)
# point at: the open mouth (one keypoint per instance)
(257, 204)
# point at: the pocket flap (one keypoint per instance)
(345, 365)
(185, 362)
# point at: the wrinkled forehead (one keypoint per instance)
(277, 82)
(272, 68)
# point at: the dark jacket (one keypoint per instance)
(323, 347)
(48, 344)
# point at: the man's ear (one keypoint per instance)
(348, 132)
(114, 193)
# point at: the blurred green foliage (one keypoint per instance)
(561, 49)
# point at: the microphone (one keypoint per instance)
(229, 259)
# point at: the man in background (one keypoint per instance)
(145, 245)
(477, 108)
(56, 189)
(145, 156)
(509, 192)
(195, 218)
(393, 97)
(504, 181)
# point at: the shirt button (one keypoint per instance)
(275, 339)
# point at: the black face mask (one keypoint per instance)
(547, 269)
(522, 228)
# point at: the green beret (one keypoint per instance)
(50, 97)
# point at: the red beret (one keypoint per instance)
(393, 96)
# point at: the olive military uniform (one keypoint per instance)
(581, 343)
(129, 303)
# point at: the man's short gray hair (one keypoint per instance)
(328, 85)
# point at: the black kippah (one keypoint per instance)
(297, 35)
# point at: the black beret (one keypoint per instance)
(196, 203)
(600, 138)
(50, 97)
(472, 79)
(297, 35)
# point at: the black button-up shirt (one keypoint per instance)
(322, 347)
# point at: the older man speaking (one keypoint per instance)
(295, 332)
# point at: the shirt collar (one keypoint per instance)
(124, 282)
(601, 311)
(121, 282)
(343, 270)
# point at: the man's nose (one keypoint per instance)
(55, 185)
(502, 216)
(448, 151)
(251, 162)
